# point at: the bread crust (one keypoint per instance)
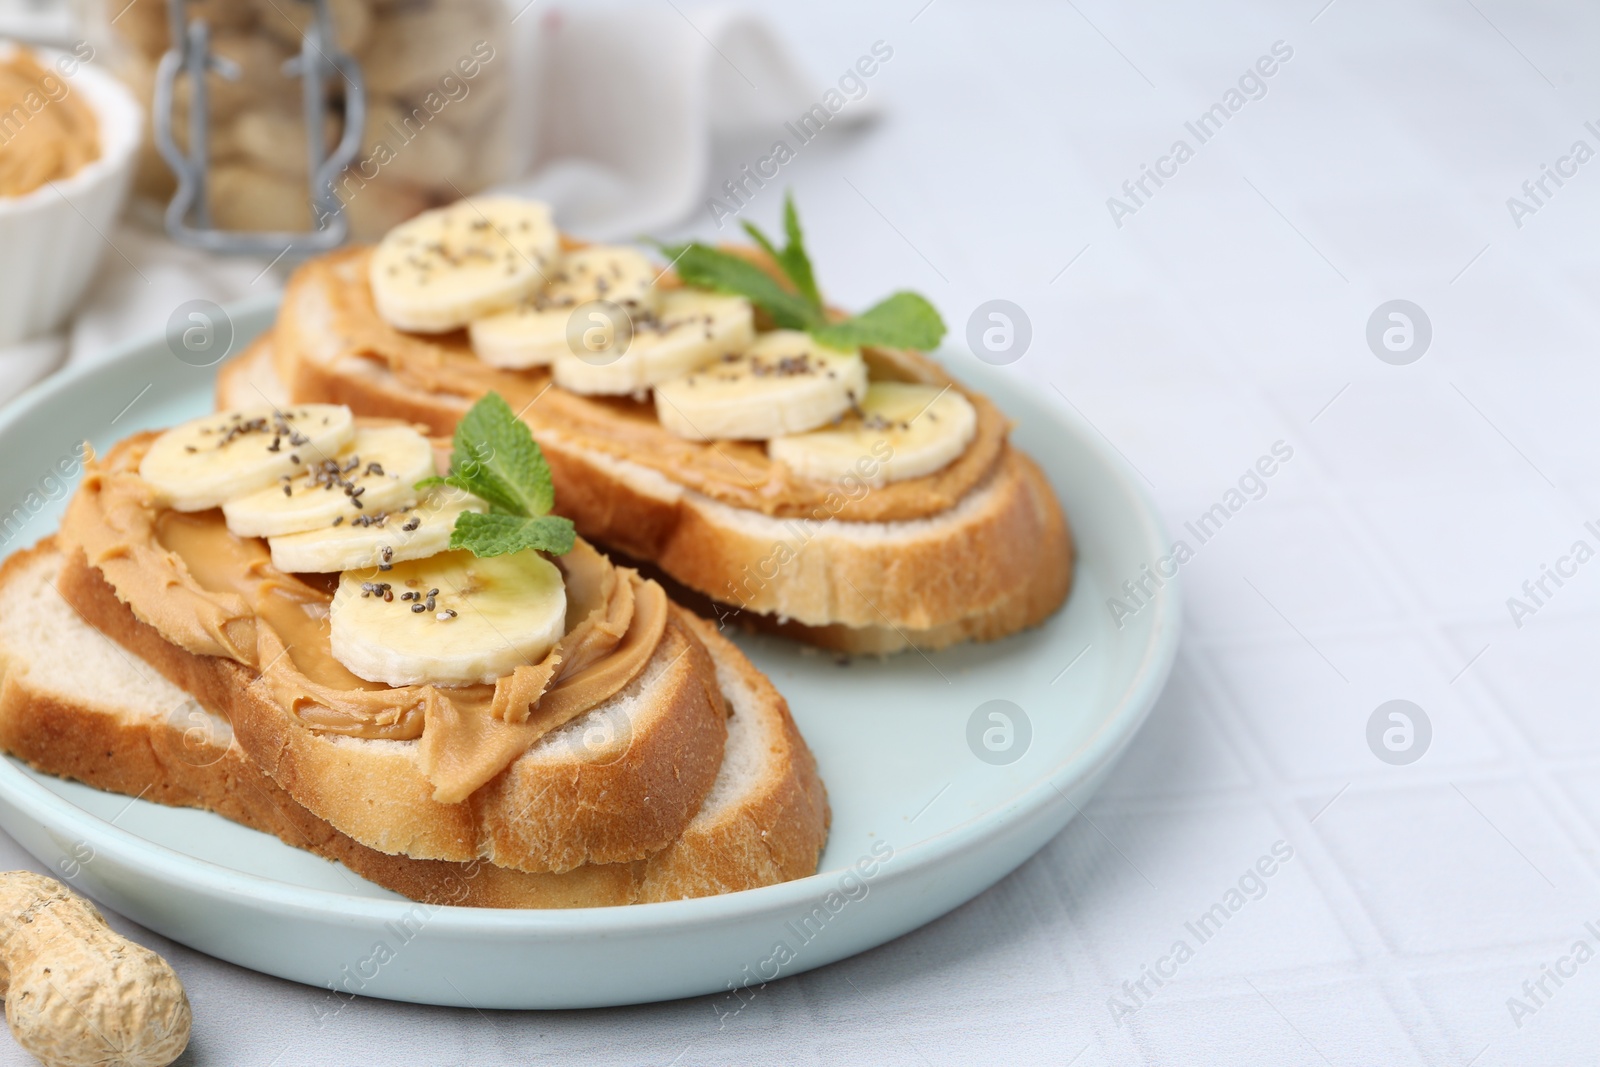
(778, 830)
(1000, 561)
(1011, 541)
(775, 834)
(543, 813)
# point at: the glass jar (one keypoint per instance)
(437, 76)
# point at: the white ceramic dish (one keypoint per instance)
(891, 737)
(53, 239)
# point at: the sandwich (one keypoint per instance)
(295, 618)
(713, 418)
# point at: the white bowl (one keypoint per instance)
(52, 239)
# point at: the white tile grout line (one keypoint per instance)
(1375, 961)
(1380, 961)
(1392, 970)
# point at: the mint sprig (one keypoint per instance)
(903, 320)
(496, 459)
(497, 533)
(704, 267)
(793, 258)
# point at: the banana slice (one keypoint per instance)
(786, 383)
(535, 332)
(377, 472)
(606, 272)
(901, 430)
(217, 457)
(375, 538)
(687, 329)
(446, 267)
(451, 619)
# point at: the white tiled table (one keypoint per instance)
(1227, 314)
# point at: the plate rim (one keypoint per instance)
(165, 865)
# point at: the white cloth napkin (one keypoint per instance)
(620, 111)
(628, 103)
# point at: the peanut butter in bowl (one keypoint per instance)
(47, 132)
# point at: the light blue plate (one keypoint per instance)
(897, 741)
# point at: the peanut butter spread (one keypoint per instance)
(738, 473)
(213, 593)
(47, 133)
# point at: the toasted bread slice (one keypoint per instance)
(562, 804)
(978, 551)
(614, 784)
(75, 704)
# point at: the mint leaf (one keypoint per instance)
(764, 241)
(793, 259)
(904, 320)
(499, 534)
(796, 262)
(496, 458)
(704, 267)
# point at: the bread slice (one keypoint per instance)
(76, 704)
(562, 804)
(614, 784)
(987, 553)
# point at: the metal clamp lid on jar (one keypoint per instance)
(188, 215)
